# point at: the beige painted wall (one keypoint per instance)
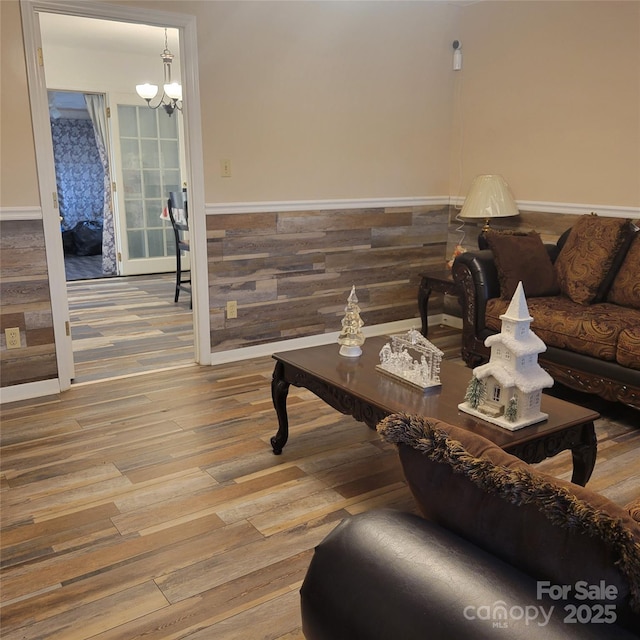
(549, 96)
(18, 177)
(325, 99)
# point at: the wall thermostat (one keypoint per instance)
(457, 55)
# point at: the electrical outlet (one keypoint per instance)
(12, 337)
(232, 309)
(225, 168)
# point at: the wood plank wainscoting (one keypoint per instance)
(26, 303)
(291, 271)
(152, 506)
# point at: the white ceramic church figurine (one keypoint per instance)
(507, 390)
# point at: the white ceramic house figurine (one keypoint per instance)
(507, 390)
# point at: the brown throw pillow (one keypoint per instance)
(522, 257)
(625, 290)
(588, 254)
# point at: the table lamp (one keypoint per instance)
(489, 197)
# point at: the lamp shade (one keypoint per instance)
(489, 197)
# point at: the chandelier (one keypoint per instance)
(171, 98)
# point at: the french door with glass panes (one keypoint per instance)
(148, 160)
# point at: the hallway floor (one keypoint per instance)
(129, 325)
(83, 267)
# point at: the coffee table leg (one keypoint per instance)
(279, 392)
(584, 456)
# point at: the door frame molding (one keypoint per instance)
(186, 24)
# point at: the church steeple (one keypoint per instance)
(518, 309)
(516, 319)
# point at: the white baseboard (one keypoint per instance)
(29, 390)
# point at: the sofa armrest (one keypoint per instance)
(482, 268)
(476, 275)
(385, 574)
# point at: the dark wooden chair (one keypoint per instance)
(179, 216)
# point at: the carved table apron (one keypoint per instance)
(354, 387)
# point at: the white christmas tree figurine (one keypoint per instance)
(507, 390)
(351, 336)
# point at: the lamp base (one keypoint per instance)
(482, 240)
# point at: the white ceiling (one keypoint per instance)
(67, 104)
(89, 33)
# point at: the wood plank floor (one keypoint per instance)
(152, 507)
(130, 325)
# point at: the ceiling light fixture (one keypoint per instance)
(172, 91)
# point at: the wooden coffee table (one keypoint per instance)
(354, 387)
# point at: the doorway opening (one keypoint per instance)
(119, 251)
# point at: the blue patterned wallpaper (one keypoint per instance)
(79, 172)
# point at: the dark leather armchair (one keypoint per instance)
(388, 575)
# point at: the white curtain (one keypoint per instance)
(97, 111)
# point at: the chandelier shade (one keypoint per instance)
(173, 90)
(147, 91)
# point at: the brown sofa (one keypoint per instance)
(583, 294)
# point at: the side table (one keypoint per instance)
(440, 281)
